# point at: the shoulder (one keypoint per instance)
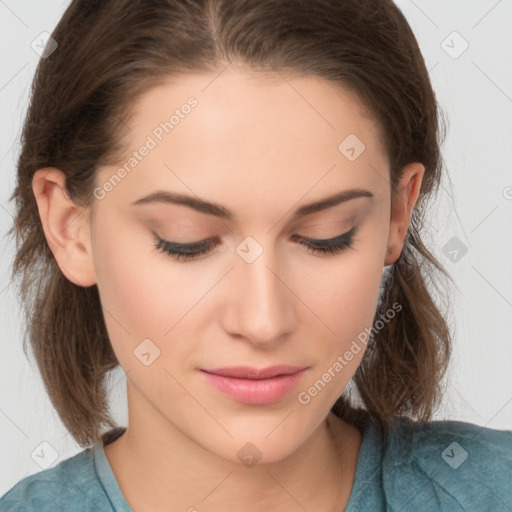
(450, 465)
(71, 485)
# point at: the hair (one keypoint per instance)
(109, 53)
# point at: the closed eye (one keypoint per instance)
(330, 246)
(190, 251)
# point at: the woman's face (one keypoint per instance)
(261, 149)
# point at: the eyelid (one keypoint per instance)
(192, 251)
(347, 234)
(209, 241)
(186, 245)
(349, 221)
(330, 224)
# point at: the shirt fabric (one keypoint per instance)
(430, 466)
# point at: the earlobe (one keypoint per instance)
(65, 225)
(402, 204)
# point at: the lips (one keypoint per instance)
(248, 372)
(255, 386)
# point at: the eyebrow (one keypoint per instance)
(217, 210)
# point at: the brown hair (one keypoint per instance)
(112, 51)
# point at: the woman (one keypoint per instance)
(226, 199)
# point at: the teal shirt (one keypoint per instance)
(447, 466)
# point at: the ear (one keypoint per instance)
(402, 203)
(66, 226)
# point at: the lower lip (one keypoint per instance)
(253, 391)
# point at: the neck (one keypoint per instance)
(163, 469)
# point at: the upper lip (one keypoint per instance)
(248, 372)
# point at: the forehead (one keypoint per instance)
(253, 133)
(272, 105)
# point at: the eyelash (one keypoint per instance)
(187, 252)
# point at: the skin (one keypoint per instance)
(261, 146)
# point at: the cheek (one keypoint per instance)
(344, 292)
(144, 295)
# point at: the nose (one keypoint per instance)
(261, 304)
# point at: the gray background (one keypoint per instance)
(475, 90)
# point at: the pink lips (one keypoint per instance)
(254, 386)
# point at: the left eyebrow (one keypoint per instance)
(217, 210)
